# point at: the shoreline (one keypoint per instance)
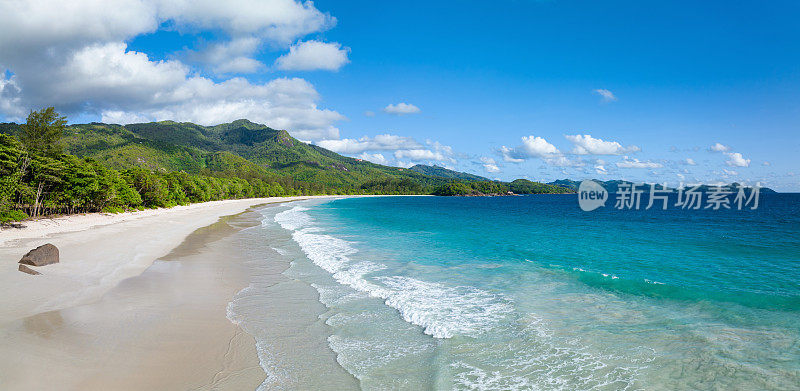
(133, 295)
(98, 251)
(47, 226)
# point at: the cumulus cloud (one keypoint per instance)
(314, 55)
(636, 163)
(538, 147)
(381, 142)
(532, 146)
(735, 159)
(605, 95)
(401, 109)
(73, 55)
(376, 158)
(717, 147)
(230, 57)
(433, 151)
(489, 164)
(406, 150)
(419, 155)
(510, 155)
(690, 162)
(588, 145)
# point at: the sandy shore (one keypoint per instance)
(108, 317)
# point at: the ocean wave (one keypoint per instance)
(293, 218)
(442, 311)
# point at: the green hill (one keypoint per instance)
(442, 172)
(524, 186)
(240, 149)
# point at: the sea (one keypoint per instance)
(528, 293)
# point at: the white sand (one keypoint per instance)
(97, 252)
(108, 317)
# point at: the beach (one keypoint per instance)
(138, 301)
(380, 293)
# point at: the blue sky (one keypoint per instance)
(505, 89)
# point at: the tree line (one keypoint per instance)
(37, 178)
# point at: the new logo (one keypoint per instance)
(591, 195)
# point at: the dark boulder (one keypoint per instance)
(28, 270)
(40, 256)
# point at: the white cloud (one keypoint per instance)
(420, 154)
(729, 172)
(439, 147)
(122, 84)
(401, 109)
(230, 57)
(717, 147)
(605, 95)
(533, 146)
(737, 160)
(690, 162)
(369, 113)
(509, 155)
(588, 145)
(537, 147)
(562, 161)
(72, 55)
(280, 21)
(380, 142)
(436, 151)
(122, 117)
(489, 164)
(314, 55)
(600, 170)
(636, 163)
(376, 158)
(10, 100)
(765, 163)
(404, 149)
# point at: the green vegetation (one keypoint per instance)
(445, 173)
(41, 134)
(48, 168)
(474, 188)
(524, 186)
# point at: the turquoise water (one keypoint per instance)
(530, 292)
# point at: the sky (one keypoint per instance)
(675, 92)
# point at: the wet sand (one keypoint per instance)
(164, 329)
(120, 312)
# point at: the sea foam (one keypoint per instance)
(442, 311)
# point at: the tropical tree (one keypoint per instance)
(42, 132)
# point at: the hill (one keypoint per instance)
(238, 149)
(524, 186)
(442, 172)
